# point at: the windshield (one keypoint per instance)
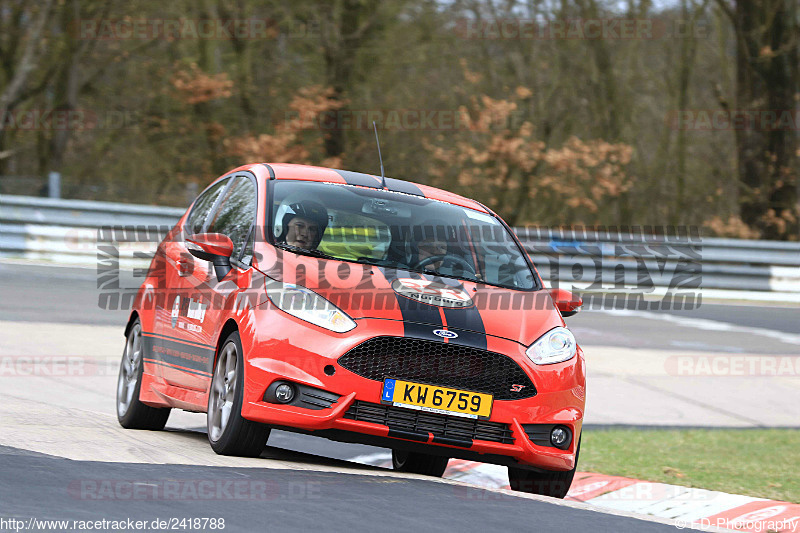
(396, 230)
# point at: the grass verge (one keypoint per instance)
(754, 462)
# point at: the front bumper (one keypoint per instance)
(288, 349)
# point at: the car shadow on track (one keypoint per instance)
(277, 453)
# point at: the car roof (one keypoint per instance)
(287, 171)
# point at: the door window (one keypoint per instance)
(202, 207)
(236, 214)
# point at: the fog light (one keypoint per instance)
(284, 393)
(560, 437)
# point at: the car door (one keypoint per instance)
(183, 359)
(207, 301)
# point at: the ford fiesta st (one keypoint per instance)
(360, 309)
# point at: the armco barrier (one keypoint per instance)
(66, 231)
(620, 260)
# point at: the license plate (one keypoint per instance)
(436, 399)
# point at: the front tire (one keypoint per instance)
(555, 484)
(132, 413)
(228, 432)
(419, 463)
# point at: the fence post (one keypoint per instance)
(54, 185)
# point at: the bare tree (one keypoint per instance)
(345, 26)
(767, 78)
(23, 28)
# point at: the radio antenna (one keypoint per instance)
(383, 178)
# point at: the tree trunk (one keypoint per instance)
(767, 80)
(18, 73)
(346, 25)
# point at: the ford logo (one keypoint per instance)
(445, 333)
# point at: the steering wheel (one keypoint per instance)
(445, 259)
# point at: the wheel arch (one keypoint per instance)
(229, 327)
(131, 320)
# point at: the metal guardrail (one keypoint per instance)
(616, 260)
(613, 261)
(83, 213)
(66, 231)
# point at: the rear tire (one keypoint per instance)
(131, 413)
(228, 432)
(419, 463)
(555, 484)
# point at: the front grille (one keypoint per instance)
(449, 427)
(439, 363)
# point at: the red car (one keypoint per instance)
(360, 309)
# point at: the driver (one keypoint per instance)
(431, 241)
(435, 241)
(431, 247)
(302, 224)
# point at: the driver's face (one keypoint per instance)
(302, 233)
(432, 247)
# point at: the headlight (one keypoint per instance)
(307, 305)
(555, 346)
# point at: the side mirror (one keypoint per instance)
(213, 247)
(566, 302)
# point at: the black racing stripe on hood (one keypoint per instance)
(419, 319)
(360, 179)
(469, 324)
(421, 331)
(466, 318)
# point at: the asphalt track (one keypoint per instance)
(276, 500)
(62, 455)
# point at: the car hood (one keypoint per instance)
(425, 303)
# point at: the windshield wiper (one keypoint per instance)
(303, 251)
(463, 276)
(375, 262)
